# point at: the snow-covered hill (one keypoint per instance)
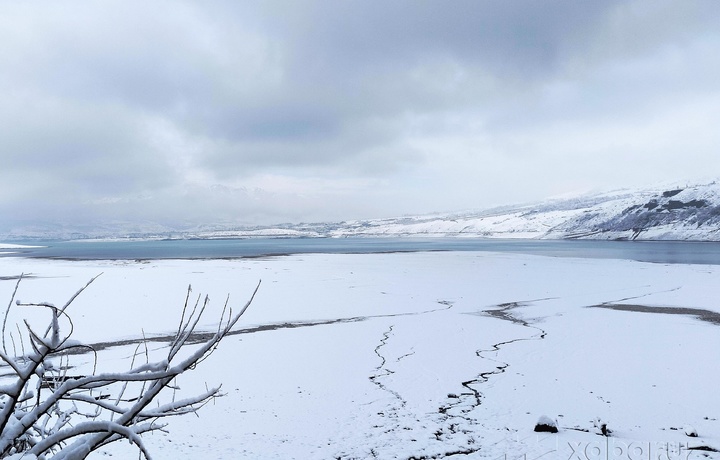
(687, 212)
(690, 212)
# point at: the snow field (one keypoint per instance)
(394, 355)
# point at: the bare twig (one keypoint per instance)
(7, 311)
(60, 414)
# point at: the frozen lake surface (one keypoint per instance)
(452, 354)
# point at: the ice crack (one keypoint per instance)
(382, 371)
(456, 411)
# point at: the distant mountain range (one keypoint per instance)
(690, 212)
(673, 213)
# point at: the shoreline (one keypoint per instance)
(642, 251)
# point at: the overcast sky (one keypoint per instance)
(259, 112)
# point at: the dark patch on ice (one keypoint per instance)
(503, 312)
(447, 454)
(16, 277)
(703, 448)
(200, 337)
(708, 316)
(576, 428)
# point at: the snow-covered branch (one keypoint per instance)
(45, 412)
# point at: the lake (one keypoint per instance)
(669, 252)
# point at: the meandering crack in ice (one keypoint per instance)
(456, 414)
(383, 371)
(400, 431)
(397, 426)
(639, 296)
(452, 430)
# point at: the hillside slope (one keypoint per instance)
(688, 212)
(677, 213)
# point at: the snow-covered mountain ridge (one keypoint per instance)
(670, 213)
(687, 212)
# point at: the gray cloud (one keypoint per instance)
(180, 112)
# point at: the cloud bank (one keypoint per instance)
(184, 113)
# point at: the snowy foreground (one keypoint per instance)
(421, 355)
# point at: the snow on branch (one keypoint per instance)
(47, 413)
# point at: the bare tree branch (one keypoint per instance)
(66, 409)
(7, 311)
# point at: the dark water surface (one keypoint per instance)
(671, 252)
